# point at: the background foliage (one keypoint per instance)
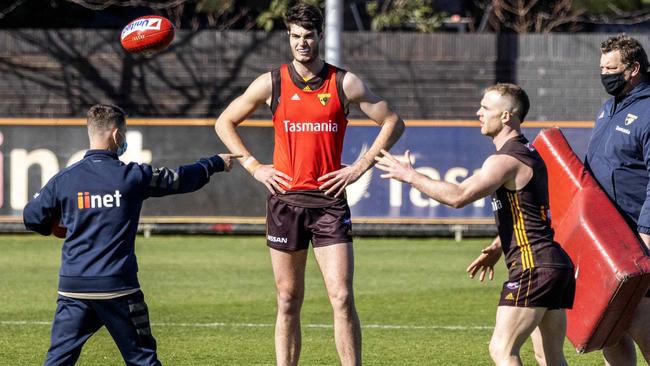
(519, 16)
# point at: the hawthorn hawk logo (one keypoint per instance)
(324, 98)
(630, 119)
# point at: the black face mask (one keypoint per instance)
(613, 83)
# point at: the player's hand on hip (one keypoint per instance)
(227, 160)
(336, 181)
(398, 168)
(485, 263)
(274, 180)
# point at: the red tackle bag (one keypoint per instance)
(611, 267)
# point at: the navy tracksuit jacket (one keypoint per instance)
(618, 155)
(99, 200)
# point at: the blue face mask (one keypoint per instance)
(121, 149)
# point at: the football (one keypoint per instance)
(58, 230)
(147, 34)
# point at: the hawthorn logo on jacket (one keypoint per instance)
(87, 200)
(630, 119)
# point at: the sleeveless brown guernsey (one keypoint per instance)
(523, 216)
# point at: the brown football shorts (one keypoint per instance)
(291, 227)
(539, 287)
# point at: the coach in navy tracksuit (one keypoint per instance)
(618, 156)
(98, 201)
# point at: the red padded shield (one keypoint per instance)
(612, 269)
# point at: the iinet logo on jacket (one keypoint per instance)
(87, 200)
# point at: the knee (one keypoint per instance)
(342, 302)
(496, 351)
(289, 303)
(499, 353)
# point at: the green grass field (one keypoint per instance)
(212, 302)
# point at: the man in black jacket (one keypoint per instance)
(98, 202)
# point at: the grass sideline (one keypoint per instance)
(212, 302)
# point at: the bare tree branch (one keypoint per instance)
(11, 8)
(629, 19)
(103, 4)
(523, 16)
(615, 9)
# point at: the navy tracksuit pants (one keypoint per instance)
(126, 318)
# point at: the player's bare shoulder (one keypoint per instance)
(501, 162)
(261, 88)
(501, 165)
(513, 173)
(355, 89)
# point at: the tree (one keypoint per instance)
(615, 12)
(526, 16)
(404, 14)
(272, 17)
(604, 7)
(215, 14)
(220, 14)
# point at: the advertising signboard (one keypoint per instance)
(33, 151)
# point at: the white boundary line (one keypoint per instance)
(267, 325)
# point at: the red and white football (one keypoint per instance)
(147, 34)
(58, 230)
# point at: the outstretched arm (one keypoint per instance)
(164, 181)
(495, 172)
(258, 93)
(376, 109)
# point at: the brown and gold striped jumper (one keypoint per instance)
(523, 218)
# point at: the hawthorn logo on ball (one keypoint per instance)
(86, 200)
(141, 25)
